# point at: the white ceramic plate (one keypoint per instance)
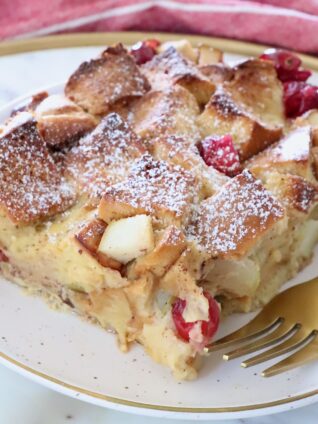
(80, 360)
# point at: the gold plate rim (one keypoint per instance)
(100, 39)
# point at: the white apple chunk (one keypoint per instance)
(128, 238)
(184, 47)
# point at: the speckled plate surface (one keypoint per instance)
(78, 359)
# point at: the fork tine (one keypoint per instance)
(276, 336)
(304, 355)
(255, 328)
(296, 340)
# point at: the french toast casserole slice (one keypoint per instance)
(162, 189)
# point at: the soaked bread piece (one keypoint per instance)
(100, 83)
(32, 187)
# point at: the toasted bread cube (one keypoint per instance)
(184, 47)
(249, 107)
(100, 83)
(128, 238)
(170, 67)
(90, 237)
(230, 223)
(167, 250)
(256, 88)
(209, 55)
(61, 121)
(179, 151)
(297, 194)
(172, 112)
(152, 187)
(291, 155)
(311, 118)
(104, 156)
(32, 187)
(217, 73)
(222, 116)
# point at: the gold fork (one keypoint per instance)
(289, 321)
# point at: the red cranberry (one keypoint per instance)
(208, 328)
(299, 97)
(286, 64)
(3, 257)
(220, 153)
(143, 51)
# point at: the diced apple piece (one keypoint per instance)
(209, 55)
(184, 47)
(128, 238)
(90, 236)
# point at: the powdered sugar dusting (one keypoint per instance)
(101, 82)
(169, 66)
(294, 147)
(232, 220)
(172, 111)
(223, 103)
(31, 186)
(155, 186)
(104, 156)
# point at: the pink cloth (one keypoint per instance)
(289, 23)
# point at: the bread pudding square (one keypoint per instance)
(135, 210)
(99, 84)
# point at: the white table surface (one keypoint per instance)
(23, 401)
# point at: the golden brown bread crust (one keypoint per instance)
(32, 187)
(98, 84)
(103, 156)
(61, 121)
(296, 193)
(256, 88)
(228, 224)
(292, 155)
(178, 151)
(172, 111)
(217, 73)
(249, 106)
(223, 116)
(152, 187)
(170, 67)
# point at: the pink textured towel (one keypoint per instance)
(289, 23)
